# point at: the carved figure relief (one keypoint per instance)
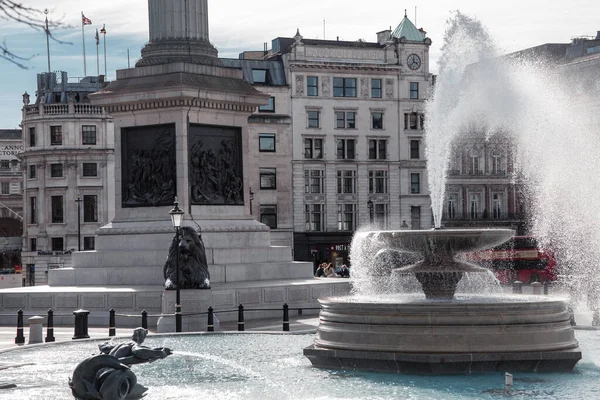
(389, 88)
(364, 87)
(215, 165)
(148, 164)
(326, 86)
(300, 85)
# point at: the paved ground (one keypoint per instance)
(297, 324)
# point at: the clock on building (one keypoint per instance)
(413, 61)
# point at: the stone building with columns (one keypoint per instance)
(358, 150)
(68, 169)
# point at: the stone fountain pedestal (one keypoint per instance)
(442, 334)
(445, 338)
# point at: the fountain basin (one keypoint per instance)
(474, 333)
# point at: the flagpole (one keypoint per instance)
(97, 53)
(104, 40)
(47, 39)
(83, 38)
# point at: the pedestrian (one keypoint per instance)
(320, 271)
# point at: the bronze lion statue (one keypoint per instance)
(193, 268)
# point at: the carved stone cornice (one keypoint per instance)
(169, 230)
(296, 66)
(174, 103)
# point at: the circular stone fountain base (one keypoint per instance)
(475, 334)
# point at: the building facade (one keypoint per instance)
(11, 199)
(357, 126)
(68, 171)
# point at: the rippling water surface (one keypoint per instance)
(257, 366)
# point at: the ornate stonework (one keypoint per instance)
(353, 54)
(300, 85)
(364, 87)
(326, 85)
(389, 88)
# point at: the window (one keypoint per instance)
(346, 217)
(475, 205)
(414, 150)
(344, 87)
(314, 217)
(268, 178)
(266, 142)
(32, 171)
(57, 210)
(415, 183)
(90, 208)
(89, 243)
(345, 149)
(497, 164)
(32, 137)
(259, 75)
(56, 170)
(313, 148)
(313, 119)
(312, 86)
(269, 107)
(5, 188)
(32, 244)
(268, 215)
(474, 165)
(497, 206)
(314, 181)
(451, 206)
(414, 90)
(88, 134)
(381, 215)
(414, 121)
(345, 119)
(377, 149)
(346, 182)
(56, 136)
(377, 120)
(58, 244)
(4, 164)
(376, 88)
(33, 210)
(90, 169)
(415, 218)
(378, 181)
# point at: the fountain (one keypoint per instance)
(444, 332)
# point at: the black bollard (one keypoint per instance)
(286, 318)
(81, 324)
(112, 330)
(145, 319)
(517, 287)
(20, 339)
(210, 326)
(50, 327)
(240, 318)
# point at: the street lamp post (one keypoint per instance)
(251, 198)
(370, 206)
(78, 222)
(176, 216)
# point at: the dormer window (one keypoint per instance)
(259, 76)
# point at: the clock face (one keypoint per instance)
(413, 61)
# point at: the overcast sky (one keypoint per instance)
(237, 25)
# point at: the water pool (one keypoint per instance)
(263, 366)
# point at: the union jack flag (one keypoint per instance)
(85, 20)
(103, 30)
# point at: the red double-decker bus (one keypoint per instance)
(518, 259)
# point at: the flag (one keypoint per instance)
(103, 30)
(85, 20)
(97, 37)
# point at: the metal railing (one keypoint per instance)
(81, 320)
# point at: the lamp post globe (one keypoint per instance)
(176, 214)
